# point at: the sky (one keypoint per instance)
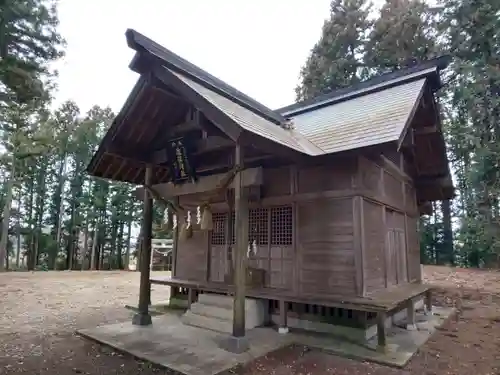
(256, 46)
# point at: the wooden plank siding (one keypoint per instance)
(192, 257)
(319, 199)
(390, 217)
(326, 247)
(353, 230)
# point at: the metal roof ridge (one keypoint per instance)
(400, 76)
(360, 92)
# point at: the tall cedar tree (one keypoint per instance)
(29, 41)
(335, 61)
(404, 34)
(472, 30)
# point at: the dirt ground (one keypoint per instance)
(39, 313)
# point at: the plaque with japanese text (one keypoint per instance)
(180, 161)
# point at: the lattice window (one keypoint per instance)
(258, 226)
(281, 226)
(219, 228)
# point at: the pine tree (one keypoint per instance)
(335, 61)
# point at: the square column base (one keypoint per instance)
(234, 344)
(283, 330)
(141, 319)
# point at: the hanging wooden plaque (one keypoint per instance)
(180, 161)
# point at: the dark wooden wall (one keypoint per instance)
(389, 214)
(347, 227)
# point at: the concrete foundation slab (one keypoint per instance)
(401, 345)
(196, 351)
(185, 349)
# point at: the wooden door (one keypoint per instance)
(396, 259)
(218, 248)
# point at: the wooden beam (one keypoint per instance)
(249, 177)
(426, 130)
(143, 318)
(241, 227)
(203, 145)
(392, 167)
(409, 121)
(273, 148)
(186, 126)
(156, 87)
(218, 117)
(437, 180)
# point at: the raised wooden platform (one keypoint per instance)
(382, 304)
(385, 300)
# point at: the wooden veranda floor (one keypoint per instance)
(385, 300)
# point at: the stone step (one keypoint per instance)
(206, 322)
(253, 317)
(224, 301)
(215, 312)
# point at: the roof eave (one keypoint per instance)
(428, 69)
(143, 52)
(118, 120)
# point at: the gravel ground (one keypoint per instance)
(40, 312)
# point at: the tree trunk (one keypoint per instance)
(127, 242)
(85, 245)
(119, 247)
(113, 251)
(62, 169)
(94, 246)
(35, 242)
(448, 233)
(29, 242)
(6, 218)
(18, 230)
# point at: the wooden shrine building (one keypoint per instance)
(313, 208)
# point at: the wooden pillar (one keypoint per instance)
(229, 232)
(143, 318)
(410, 315)
(428, 302)
(237, 342)
(241, 228)
(283, 328)
(174, 291)
(381, 331)
(191, 297)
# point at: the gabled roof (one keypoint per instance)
(371, 112)
(141, 43)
